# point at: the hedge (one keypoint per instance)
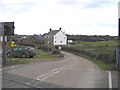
(108, 58)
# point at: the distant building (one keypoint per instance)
(55, 37)
(33, 39)
(70, 41)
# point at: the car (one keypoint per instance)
(24, 51)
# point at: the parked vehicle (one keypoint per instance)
(22, 52)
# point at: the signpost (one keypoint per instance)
(119, 45)
(11, 46)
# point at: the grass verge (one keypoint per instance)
(103, 66)
(49, 56)
(15, 61)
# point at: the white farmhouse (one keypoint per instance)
(55, 37)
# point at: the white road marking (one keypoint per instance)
(53, 72)
(9, 67)
(43, 75)
(49, 76)
(110, 80)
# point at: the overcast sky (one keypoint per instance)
(85, 17)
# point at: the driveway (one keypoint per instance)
(71, 71)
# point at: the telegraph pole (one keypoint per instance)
(7, 29)
(119, 45)
(3, 46)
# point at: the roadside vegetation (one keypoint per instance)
(47, 54)
(101, 52)
(99, 49)
(39, 54)
(101, 64)
(16, 61)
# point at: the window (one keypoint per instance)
(32, 49)
(15, 49)
(20, 48)
(60, 41)
(55, 41)
(25, 48)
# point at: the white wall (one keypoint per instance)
(70, 41)
(60, 36)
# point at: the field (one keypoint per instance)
(100, 47)
(101, 53)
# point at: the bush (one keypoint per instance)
(108, 58)
(45, 48)
(55, 51)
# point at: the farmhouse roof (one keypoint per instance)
(53, 32)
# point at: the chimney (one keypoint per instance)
(50, 29)
(60, 28)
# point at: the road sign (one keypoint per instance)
(8, 28)
(68, 45)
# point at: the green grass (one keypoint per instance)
(93, 45)
(39, 51)
(108, 50)
(39, 55)
(15, 61)
(110, 43)
(49, 56)
(102, 65)
(82, 47)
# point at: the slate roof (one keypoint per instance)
(40, 37)
(53, 32)
(25, 37)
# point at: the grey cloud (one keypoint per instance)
(98, 4)
(86, 5)
(69, 2)
(16, 8)
(101, 25)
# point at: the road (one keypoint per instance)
(71, 71)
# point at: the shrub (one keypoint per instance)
(55, 51)
(45, 48)
(108, 58)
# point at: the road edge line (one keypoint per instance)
(9, 67)
(110, 80)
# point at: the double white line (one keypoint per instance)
(53, 72)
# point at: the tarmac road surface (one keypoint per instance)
(69, 72)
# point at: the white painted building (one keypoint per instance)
(55, 37)
(70, 41)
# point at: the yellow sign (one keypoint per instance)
(12, 44)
